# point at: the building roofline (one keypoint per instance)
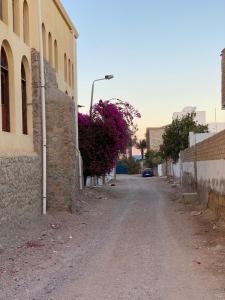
(156, 127)
(184, 112)
(66, 18)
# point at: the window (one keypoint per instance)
(56, 55)
(65, 67)
(24, 99)
(5, 91)
(26, 32)
(4, 10)
(69, 67)
(44, 39)
(50, 49)
(16, 20)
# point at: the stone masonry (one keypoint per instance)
(210, 149)
(20, 188)
(21, 175)
(62, 159)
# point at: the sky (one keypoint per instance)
(164, 55)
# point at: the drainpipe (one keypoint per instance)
(44, 141)
(80, 163)
(80, 168)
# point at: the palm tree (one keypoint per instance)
(142, 146)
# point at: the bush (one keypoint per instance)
(131, 164)
(105, 134)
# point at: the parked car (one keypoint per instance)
(147, 173)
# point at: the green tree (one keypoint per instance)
(175, 137)
(153, 158)
(142, 146)
(132, 165)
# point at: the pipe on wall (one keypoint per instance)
(43, 102)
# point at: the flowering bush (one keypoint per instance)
(104, 134)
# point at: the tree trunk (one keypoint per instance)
(130, 152)
(142, 153)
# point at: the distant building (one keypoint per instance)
(195, 138)
(154, 137)
(200, 117)
(216, 127)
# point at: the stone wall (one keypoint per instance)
(62, 158)
(21, 175)
(20, 188)
(62, 179)
(212, 148)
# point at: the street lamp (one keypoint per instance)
(107, 77)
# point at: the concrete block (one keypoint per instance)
(189, 197)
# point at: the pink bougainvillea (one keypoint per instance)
(104, 134)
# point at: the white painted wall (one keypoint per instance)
(188, 167)
(177, 169)
(108, 177)
(212, 172)
(216, 127)
(195, 138)
(160, 170)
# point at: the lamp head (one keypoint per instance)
(108, 77)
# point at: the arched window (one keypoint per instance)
(50, 49)
(4, 10)
(16, 19)
(56, 55)
(24, 99)
(26, 31)
(69, 69)
(65, 67)
(5, 91)
(44, 39)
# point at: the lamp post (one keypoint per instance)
(107, 77)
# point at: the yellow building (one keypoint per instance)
(19, 33)
(223, 79)
(29, 28)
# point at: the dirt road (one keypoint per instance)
(137, 245)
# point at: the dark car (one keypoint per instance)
(147, 172)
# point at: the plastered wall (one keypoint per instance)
(203, 170)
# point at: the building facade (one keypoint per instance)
(200, 116)
(154, 137)
(28, 28)
(223, 79)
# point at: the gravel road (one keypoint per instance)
(137, 245)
